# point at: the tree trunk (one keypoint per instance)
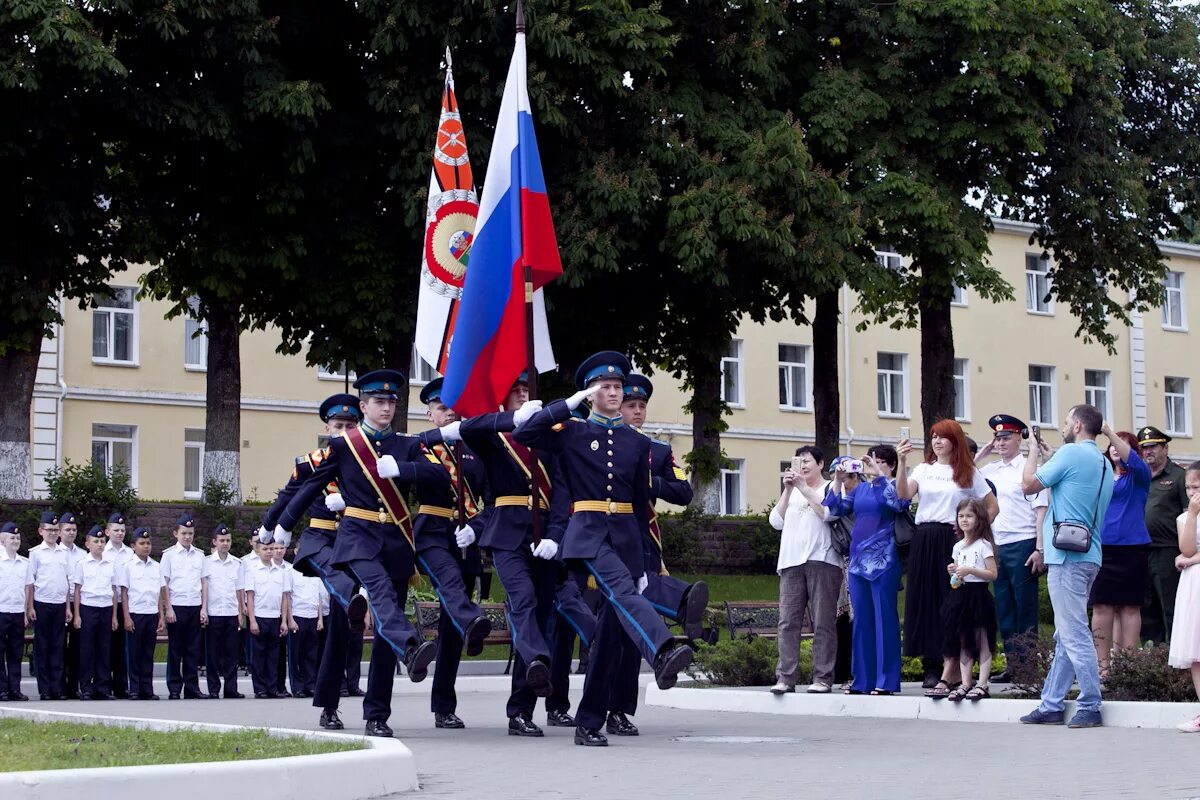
(707, 423)
(937, 356)
(223, 401)
(826, 392)
(18, 373)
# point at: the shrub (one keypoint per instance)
(1143, 674)
(89, 492)
(681, 538)
(763, 540)
(1028, 662)
(216, 503)
(741, 662)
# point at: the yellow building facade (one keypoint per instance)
(120, 384)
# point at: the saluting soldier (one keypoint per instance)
(374, 468)
(605, 467)
(47, 596)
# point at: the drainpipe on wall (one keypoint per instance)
(62, 383)
(846, 365)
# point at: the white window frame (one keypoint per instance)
(110, 440)
(904, 388)
(422, 371)
(1040, 280)
(1091, 391)
(736, 471)
(737, 359)
(1171, 422)
(197, 446)
(110, 313)
(958, 297)
(962, 388)
(329, 372)
(1179, 291)
(190, 327)
(1048, 417)
(888, 258)
(785, 376)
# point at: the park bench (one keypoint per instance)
(430, 613)
(752, 618)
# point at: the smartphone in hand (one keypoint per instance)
(904, 432)
(1037, 432)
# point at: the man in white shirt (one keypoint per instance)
(68, 532)
(309, 597)
(120, 554)
(95, 617)
(142, 599)
(46, 593)
(221, 592)
(267, 587)
(1018, 554)
(182, 570)
(13, 620)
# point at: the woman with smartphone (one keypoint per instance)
(946, 477)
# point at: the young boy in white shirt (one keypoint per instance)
(268, 587)
(142, 600)
(46, 595)
(120, 554)
(309, 596)
(221, 588)
(68, 532)
(182, 569)
(13, 620)
(95, 617)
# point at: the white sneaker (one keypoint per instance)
(1191, 726)
(782, 688)
(818, 688)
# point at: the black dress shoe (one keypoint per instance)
(354, 692)
(17, 697)
(119, 696)
(669, 662)
(330, 720)
(695, 601)
(234, 695)
(148, 696)
(559, 719)
(100, 696)
(198, 696)
(522, 725)
(173, 696)
(283, 693)
(345, 692)
(590, 737)
(377, 727)
(477, 631)
(537, 676)
(449, 721)
(84, 696)
(260, 696)
(71, 696)
(356, 614)
(619, 725)
(302, 693)
(42, 696)
(416, 660)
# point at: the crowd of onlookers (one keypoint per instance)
(966, 532)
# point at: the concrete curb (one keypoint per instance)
(385, 767)
(761, 701)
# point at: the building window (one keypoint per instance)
(1179, 406)
(959, 296)
(1041, 395)
(795, 392)
(422, 372)
(888, 258)
(113, 446)
(193, 462)
(731, 374)
(1174, 314)
(1097, 390)
(195, 338)
(892, 380)
(962, 390)
(1037, 285)
(335, 372)
(114, 327)
(733, 487)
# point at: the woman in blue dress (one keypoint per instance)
(874, 570)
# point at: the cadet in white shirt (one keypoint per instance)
(183, 568)
(68, 531)
(246, 645)
(221, 589)
(143, 599)
(13, 620)
(309, 597)
(268, 586)
(95, 617)
(120, 554)
(46, 594)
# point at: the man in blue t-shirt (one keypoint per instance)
(1080, 480)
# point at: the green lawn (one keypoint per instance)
(31, 745)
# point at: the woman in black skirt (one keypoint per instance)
(947, 477)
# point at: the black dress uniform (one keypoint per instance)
(605, 467)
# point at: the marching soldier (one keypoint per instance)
(143, 602)
(46, 603)
(183, 571)
(606, 474)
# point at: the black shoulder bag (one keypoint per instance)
(1076, 537)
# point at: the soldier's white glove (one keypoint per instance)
(526, 412)
(282, 537)
(574, 400)
(450, 433)
(264, 535)
(464, 536)
(334, 502)
(642, 583)
(546, 548)
(387, 467)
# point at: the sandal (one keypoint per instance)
(978, 692)
(848, 690)
(881, 693)
(958, 694)
(940, 689)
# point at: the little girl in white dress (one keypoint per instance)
(1185, 630)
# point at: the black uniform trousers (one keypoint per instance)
(331, 672)
(264, 656)
(381, 675)
(665, 593)
(95, 651)
(352, 678)
(183, 651)
(573, 619)
(221, 644)
(50, 647)
(445, 571)
(71, 663)
(386, 581)
(139, 653)
(282, 658)
(304, 655)
(12, 644)
(531, 583)
(119, 670)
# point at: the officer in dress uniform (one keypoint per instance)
(605, 467)
(374, 468)
(447, 552)
(68, 532)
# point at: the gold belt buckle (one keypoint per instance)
(612, 507)
(529, 503)
(383, 516)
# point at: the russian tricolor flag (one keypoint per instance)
(488, 351)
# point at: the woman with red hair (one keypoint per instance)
(947, 477)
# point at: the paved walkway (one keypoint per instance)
(727, 756)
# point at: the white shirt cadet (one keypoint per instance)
(182, 569)
(12, 583)
(308, 595)
(121, 556)
(48, 570)
(144, 581)
(1017, 520)
(95, 579)
(269, 583)
(224, 579)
